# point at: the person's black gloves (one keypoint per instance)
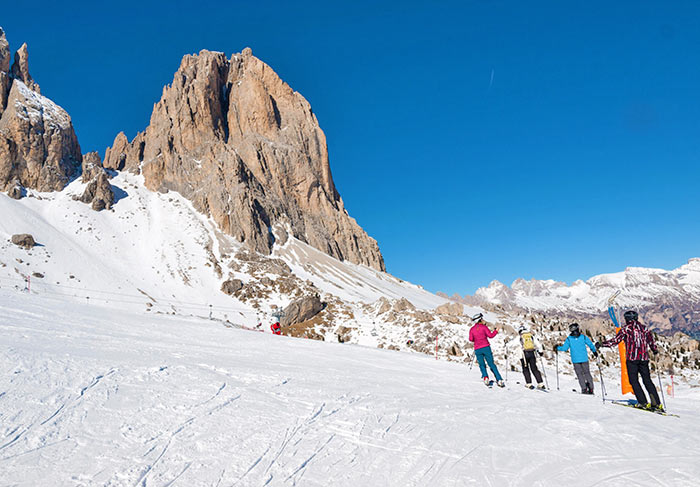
(595, 354)
(556, 348)
(541, 353)
(598, 345)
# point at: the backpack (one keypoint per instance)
(528, 341)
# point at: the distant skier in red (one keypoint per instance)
(276, 328)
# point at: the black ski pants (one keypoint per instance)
(529, 363)
(635, 368)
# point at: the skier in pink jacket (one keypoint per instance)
(480, 334)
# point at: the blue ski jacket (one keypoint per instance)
(577, 345)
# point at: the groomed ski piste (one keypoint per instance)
(97, 396)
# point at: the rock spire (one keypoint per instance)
(247, 150)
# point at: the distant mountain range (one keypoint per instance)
(667, 300)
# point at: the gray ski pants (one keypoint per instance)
(583, 373)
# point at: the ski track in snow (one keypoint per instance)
(91, 397)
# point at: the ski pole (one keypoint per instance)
(506, 350)
(471, 362)
(544, 373)
(658, 374)
(557, 362)
(602, 384)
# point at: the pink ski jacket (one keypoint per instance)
(480, 334)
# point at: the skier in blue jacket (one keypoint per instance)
(576, 344)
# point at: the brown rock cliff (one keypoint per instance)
(245, 148)
(38, 146)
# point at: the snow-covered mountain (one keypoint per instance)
(667, 299)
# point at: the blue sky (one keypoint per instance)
(475, 140)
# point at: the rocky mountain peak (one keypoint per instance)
(38, 146)
(20, 68)
(4, 53)
(247, 150)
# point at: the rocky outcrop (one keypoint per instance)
(98, 192)
(20, 69)
(231, 286)
(4, 70)
(450, 312)
(91, 167)
(247, 150)
(402, 305)
(38, 146)
(454, 350)
(24, 240)
(15, 189)
(450, 309)
(301, 310)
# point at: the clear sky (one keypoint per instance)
(475, 140)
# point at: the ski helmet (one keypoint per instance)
(522, 329)
(477, 317)
(631, 316)
(574, 329)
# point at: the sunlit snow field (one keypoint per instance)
(90, 396)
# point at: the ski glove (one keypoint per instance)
(556, 348)
(541, 353)
(598, 345)
(595, 354)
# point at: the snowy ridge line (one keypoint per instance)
(143, 299)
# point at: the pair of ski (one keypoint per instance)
(633, 405)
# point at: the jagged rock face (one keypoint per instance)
(4, 70)
(20, 69)
(38, 146)
(232, 137)
(4, 52)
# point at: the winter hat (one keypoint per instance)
(631, 316)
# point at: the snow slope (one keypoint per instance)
(155, 250)
(350, 282)
(124, 398)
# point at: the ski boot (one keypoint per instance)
(529, 386)
(501, 383)
(487, 382)
(541, 386)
